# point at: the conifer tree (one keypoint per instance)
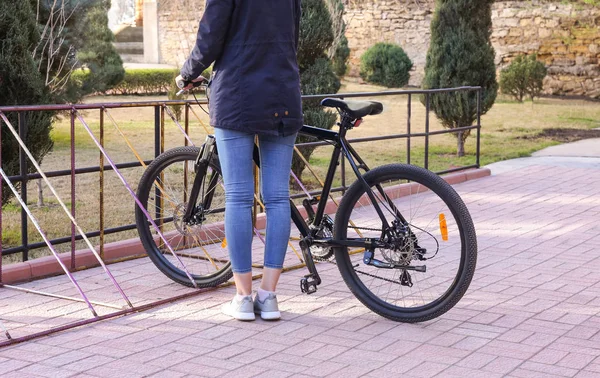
(461, 54)
(317, 74)
(21, 84)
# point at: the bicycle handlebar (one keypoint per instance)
(195, 84)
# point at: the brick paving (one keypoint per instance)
(533, 309)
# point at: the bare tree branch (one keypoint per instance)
(52, 41)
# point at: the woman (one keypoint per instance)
(255, 90)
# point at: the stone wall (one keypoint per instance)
(565, 36)
(177, 28)
(403, 22)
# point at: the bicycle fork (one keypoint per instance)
(200, 168)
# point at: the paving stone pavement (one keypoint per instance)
(533, 308)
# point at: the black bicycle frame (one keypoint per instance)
(341, 146)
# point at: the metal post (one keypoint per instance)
(162, 178)
(23, 173)
(157, 152)
(101, 197)
(1, 184)
(408, 129)
(187, 123)
(73, 188)
(162, 129)
(478, 155)
(185, 143)
(427, 107)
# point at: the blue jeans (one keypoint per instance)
(235, 155)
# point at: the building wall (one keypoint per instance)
(565, 36)
(177, 27)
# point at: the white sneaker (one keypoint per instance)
(268, 309)
(239, 309)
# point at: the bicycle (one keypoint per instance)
(402, 263)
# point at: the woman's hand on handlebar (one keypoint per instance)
(187, 85)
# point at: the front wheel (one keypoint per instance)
(196, 247)
(427, 248)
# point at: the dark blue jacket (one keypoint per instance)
(255, 85)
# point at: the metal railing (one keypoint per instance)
(162, 107)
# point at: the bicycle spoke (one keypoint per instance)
(196, 241)
(412, 221)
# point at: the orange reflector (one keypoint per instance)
(443, 227)
(224, 243)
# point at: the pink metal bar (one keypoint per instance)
(178, 125)
(37, 226)
(135, 198)
(41, 172)
(1, 205)
(300, 184)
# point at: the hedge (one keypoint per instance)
(152, 81)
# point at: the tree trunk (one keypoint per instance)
(40, 201)
(460, 151)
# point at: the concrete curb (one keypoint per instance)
(114, 252)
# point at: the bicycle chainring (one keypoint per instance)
(320, 253)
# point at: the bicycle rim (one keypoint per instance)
(428, 227)
(199, 246)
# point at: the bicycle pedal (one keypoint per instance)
(308, 285)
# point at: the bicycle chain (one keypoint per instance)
(374, 276)
(361, 272)
(365, 228)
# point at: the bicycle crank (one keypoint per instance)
(309, 283)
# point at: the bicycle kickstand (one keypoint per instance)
(309, 283)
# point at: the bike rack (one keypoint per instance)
(160, 109)
(74, 114)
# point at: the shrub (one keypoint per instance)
(386, 64)
(461, 54)
(98, 53)
(523, 77)
(340, 59)
(22, 84)
(339, 51)
(146, 81)
(316, 33)
(154, 81)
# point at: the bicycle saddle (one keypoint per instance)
(355, 109)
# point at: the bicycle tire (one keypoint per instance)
(447, 196)
(149, 181)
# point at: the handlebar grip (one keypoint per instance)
(182, 84)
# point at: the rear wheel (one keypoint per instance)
(199, 245)
(430, 247)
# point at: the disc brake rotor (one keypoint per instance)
(180, 225)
